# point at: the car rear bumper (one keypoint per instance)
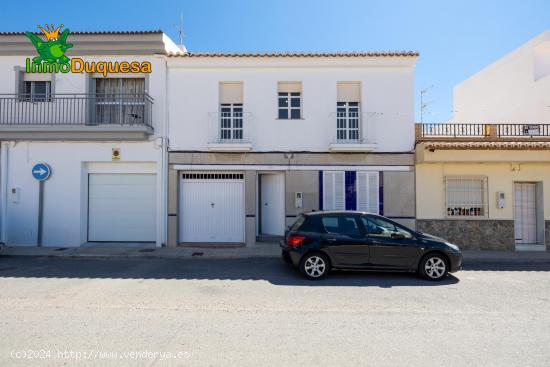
(289, 256)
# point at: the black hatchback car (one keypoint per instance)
(320, 241)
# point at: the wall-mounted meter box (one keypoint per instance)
(298, 200)
(501, 200)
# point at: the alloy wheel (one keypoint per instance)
(435, 267)
(315, 266)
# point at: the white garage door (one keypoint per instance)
(212, 207)
(121, 207)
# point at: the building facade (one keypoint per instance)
(103, 136)
(482, 180)
(256, 139)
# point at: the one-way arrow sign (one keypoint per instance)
(41, 171)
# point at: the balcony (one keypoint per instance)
(482, 132)
(76, 117)
(350, 132)
(229, 131)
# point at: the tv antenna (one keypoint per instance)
(423, 104)
(179, 29)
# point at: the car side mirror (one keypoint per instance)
(397, 236)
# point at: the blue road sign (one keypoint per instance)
(41, 171)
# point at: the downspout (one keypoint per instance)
(165, 148)
(4, 189)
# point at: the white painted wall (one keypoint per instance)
(514, 89)
(386, 87)
(66, 191)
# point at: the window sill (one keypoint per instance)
(301, 118)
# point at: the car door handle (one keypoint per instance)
(331, 239)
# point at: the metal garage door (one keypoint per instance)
(121, 207)
(211, 207)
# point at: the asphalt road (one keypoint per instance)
(260, 312)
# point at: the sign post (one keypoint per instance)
(41, 172)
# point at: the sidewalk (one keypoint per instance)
(138, 250)
(261, 249)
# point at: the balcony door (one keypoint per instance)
(347, 121)
(119, 101)
(231, 121)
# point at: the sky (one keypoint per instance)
(455, 38)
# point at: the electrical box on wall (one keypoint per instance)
(501, 200)
(14, 195)
(298, 200)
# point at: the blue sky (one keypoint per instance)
(455, 38)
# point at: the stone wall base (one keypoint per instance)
(473, 234)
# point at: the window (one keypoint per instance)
(290, 101)
(340, 224)
(37, 91)
(231, 111)
(120, 100)
(379, 227)
(348, 114)
(312, 224)
(347, 121)
(231, 121)
(466, 196)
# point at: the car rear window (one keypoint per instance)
(307, 223)
(298, 223)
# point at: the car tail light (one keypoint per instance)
(295, 241)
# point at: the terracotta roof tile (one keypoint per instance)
(488, 145)
(158, 31)
(298, 54)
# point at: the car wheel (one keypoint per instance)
(314, 266)
(433, 267)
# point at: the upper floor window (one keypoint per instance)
(37, 91)
(466, 196)
(290, 100)
(348, 113)
(120, 100)
(231, 111)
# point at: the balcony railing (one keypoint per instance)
(76, 109)
(485, 132)
(349, 129)
(229, 131)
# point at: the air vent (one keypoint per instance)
(212, 176)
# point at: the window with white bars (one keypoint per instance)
(347, 121)
(466, 196)
(334, 190)
(231, 121)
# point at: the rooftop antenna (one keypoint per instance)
(179, 29)
(423, 104)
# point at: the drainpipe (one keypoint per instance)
(4, 189)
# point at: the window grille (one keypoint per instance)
(466, 196)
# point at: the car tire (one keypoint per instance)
(433, 267)
(314, 266)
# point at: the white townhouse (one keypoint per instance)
(255, 139)
(102, 136)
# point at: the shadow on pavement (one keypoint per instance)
(272, 270)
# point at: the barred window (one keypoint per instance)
(466, 196)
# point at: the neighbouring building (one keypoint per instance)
(256, 139)
(102, 135)
(482, 181)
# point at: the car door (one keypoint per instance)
(391, 245)
(345, 240)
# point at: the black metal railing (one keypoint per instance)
(494, 131)
(76, 109)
